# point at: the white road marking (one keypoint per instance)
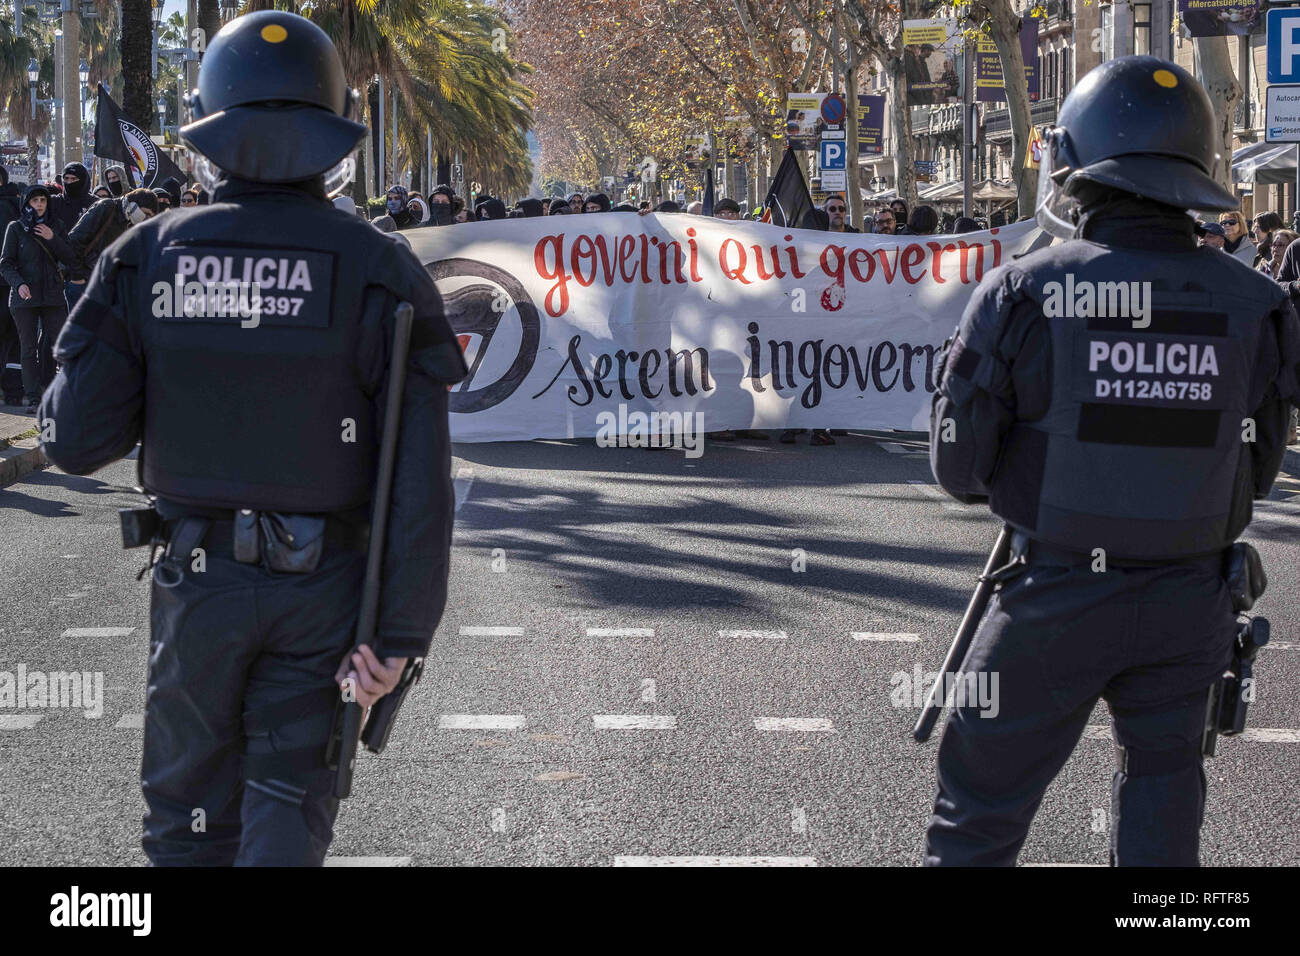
(367, 861)
(98, 631)
(130, 722)
(19, 721)
(69, 556)
(765, 635)
(796, 724)
(648, 690)
(1281, 646)
(620, 632)
(933, 491)
(715, 861)
(1254, 735)
(482, 722)
(634, 722)
(461, 485)
(878, 636)
(798, 820)
(894, 448)
(491, 632)
(498, 819)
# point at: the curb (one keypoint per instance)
(19, 457)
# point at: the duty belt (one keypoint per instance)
(1027, 550)
(340, 535)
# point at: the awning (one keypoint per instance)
(1264, 164)
(885, 195)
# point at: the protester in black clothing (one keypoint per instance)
(923, 222)
(575, 202)
(965, 224)
(11, 199)
(67, 208)
(11, 204)
(529, 208)
(596, 202)
(490, 208)
(101, 226)
(164, 199)
(101, 192)
(29, 262)
(560, 209)
(115, 180)
(899, 209)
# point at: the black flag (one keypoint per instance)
(788, 199)
(118, 139)
(708, 191)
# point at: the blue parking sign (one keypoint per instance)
(1284, 45)
(834, 154)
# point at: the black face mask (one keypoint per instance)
(31, 220)
(114, 187)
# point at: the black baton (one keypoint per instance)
(979, 602)
(368, 617)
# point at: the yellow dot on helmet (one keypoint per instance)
(274, 33)
(1165, 78)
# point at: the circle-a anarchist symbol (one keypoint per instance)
(470, 310)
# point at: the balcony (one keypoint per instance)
(997, 121)
(936, 119)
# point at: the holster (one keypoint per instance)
(289, 543)
(186, 534)
(1244, 573)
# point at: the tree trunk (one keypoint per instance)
(904, 167)
(137, 70)
(852, 187)
(1005, 30)
(1215, 69)
(33, 160)
(209, 20)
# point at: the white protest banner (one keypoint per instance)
(563, 318)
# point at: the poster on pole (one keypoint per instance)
(1216, 18)
(574, 324)
(989, 84)
(930, 49)
(871, 123)
(803, 120)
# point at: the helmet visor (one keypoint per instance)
(1054, 211)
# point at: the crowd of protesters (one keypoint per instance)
(53, 234)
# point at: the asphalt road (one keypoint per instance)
(645, 657)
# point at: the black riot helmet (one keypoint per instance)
(1137, 124)
(273, 104)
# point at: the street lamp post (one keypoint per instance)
(83, 76)
(156, 14)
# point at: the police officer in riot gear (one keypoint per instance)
(1125, 451)
(245, 345)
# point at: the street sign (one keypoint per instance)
(1282, 114)
(457, 173)
(833, 134)
(833, 109)
(834, 155)
(834, 180)
(1283, 44)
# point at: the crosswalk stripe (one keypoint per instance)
(1254, 735)
(130, 722)
(765, 635)
(98, 631)
(491, 632)
(462, 483)
(875, 636)
(794, 724)
(19, 721)
(620, 632)
(482, 722)
(367, 861)
(634, 722)
(715, 861)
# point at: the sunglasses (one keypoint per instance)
(835, 209)
(1227, 222)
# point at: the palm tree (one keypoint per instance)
(137, 68)
(15, 54)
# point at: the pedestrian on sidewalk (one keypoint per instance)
(29, 262)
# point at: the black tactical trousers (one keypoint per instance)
(1151, 642)
(240, 707)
